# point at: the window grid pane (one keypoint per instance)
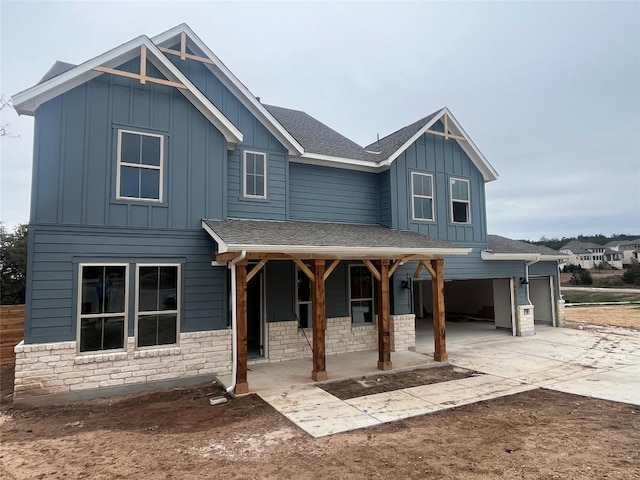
(254, 174)
(139, 166)
(157, 292)
(422, 196)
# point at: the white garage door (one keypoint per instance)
(541, 298)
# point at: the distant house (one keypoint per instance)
(591, 255)
(181, 229)
(630, 250)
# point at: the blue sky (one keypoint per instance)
(549, 91)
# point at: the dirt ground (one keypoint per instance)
(361, 387)
(617, 315)
(176, 434)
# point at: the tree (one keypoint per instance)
(632, 275)
(13, 264)
(4, 132)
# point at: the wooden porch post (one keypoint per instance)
(241, 318)
(384, 325)
(319, 371)
(437, 289)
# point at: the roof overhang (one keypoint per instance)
(331, 161)
(27, 101)
(488, 172)
(229, 80)
(526, 257)
(333, 251)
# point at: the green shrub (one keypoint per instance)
(632, 275)
(581, 277)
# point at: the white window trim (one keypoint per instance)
(244, 174)
(120, 164)
(431, 197)
(451, 200)
(298, 272)
(373, 295)
(160, 312)
(80, 316)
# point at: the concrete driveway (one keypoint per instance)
(602, 363)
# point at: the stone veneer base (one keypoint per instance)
(58, 369)
(525, 326)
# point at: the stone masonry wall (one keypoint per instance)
(560, 318)
(287, 341)
(525, 326)
(49, 368)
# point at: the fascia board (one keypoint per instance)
(233, 83)
(527, 257)
(28, 100)
(345, 252)
(489, 173)
(339, 162)
(222, 246)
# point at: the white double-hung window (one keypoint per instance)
(421, 196)
(157, 304)
(254, 174)
(460, 201)
(140, 164)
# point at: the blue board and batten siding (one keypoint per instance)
(444, 159)
(56, 253)
(256, 137)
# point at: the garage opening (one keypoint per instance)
(541, 296)
(483, 305)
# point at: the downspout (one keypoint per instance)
(526, 275)
(234, 321)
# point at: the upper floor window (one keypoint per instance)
(157, 304)
(140, 163)
(460, 201)
(103, 307)
(254, 167)
(422, 196)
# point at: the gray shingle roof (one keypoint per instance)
(250, 232)
(55, 70)
(498, 244)
(389, 144)
(316, 137)
(580, 247)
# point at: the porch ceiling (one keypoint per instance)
(324, 240)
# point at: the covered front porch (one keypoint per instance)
(317, 249)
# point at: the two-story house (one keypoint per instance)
(591, 255)
(629, 250)
(180, 229)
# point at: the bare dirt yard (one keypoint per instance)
(627, 316)
(175, 434)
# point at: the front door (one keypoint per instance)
(255, 307)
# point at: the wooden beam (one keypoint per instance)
(448, 136)
(446, 127)
(242, 386)
(256, 268)
(428, 268)
(319, 371)
(331, 268)
(437, 292)
(384, 322)
(304, 268)
(183, 45)
(178, 53)
(394, 267)
(225, 257)
(372, 269)
(418, 270)
(122, 73)
(143, 64)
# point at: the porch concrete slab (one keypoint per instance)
(392, 406)
(501, 363)
(323, 419)
(445, 393)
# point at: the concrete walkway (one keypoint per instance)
(603, 364)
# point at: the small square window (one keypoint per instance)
(460, 201)
(254, 175)
(140, 164)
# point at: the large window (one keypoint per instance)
(157, 304)
(140, 159)
(254, 175)
(421, 196)
(304, 312)
(360, 294)
(460, 201)
(103, 307)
